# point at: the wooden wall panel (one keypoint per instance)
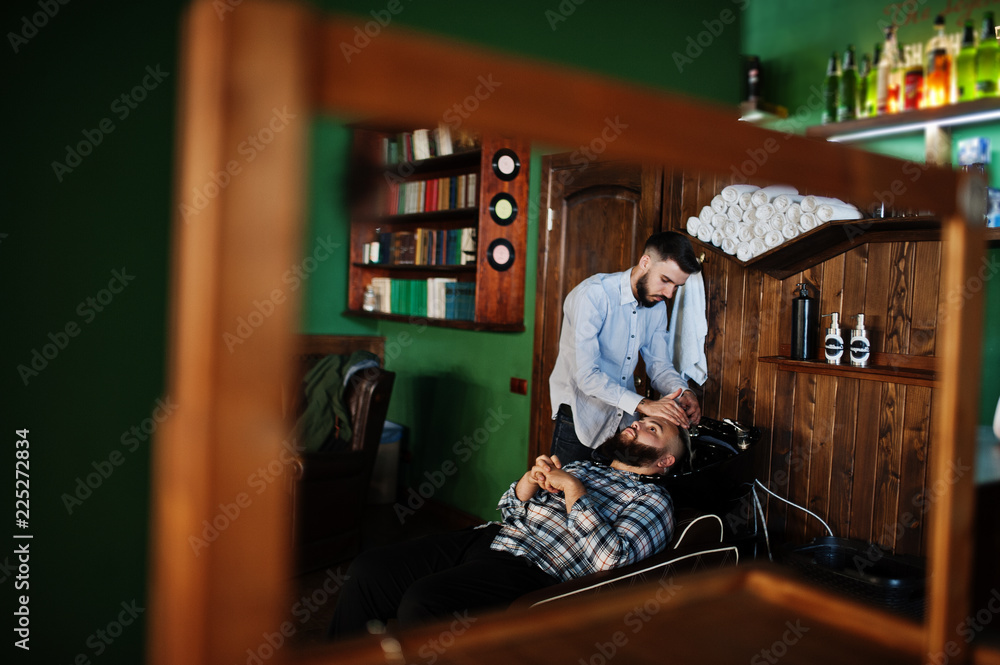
(853, 451)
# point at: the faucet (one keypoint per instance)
(742, 434)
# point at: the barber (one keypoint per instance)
(608, 321)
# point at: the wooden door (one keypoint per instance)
(595, 217)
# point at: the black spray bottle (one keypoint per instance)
(805, 321)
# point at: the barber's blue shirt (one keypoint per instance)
(603, 331)
(620, 520)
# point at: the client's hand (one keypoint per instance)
(558, 480)
(535, 477)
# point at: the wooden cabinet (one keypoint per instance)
(496, 207)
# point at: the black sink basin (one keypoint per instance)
(719, 469)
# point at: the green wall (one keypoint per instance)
(60, 243)
(794, 61)
(453, 387)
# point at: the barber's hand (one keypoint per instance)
(668, 408)
(689, 402)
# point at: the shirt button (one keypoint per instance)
(633, 336)
(628, 357)
(623, 378)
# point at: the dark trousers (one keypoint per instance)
(439, 576)
(565, 443)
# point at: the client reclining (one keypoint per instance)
(557, 524)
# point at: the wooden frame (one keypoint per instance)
(238, 74)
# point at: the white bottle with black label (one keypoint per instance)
(860, 346)
(833, 343)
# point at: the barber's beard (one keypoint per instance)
(642, 289)
(631, 453)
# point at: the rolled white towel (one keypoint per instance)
(759, 197)
(760, 228)
(718, 221)
(826, 212)
(790, 231)
(731, 194)
(793, 213)
(734, 212)
(807, 221)
(778, 190)
(746, 200)
(729, 246)
(782, 202)
(765, 211)
(704, 232)
(717, 236)
(718, 204)
(731, 229)
(758, 246)
(743, 252)
(810, 203)
(706, 214)
(773, 239)
(746, 233)
(777, 222)
(749, 215)
(693, 224)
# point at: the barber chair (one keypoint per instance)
(332, 487)
(712, 490)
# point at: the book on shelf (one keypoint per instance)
(424, 143)
(428, 247)
(433, 195)
(435, 297)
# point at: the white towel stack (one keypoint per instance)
(747, 221)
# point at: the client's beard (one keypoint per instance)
(631, 453)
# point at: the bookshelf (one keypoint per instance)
(451, 230)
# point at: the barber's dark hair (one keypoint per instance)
(672, 245)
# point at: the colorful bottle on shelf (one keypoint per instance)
(910, 72)
(937, 76)
(863, 70)
(831, 88)
(847, 102)
(986, 59)
(965, 65)
(886, 96)
(871, 84)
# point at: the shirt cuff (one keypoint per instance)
(629, 401)
(582, 516)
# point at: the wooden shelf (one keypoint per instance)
(456, 161)
(411, 267)
(834, 238)
(880, 371)
(434, 217)
(980, 110)
(440, 323)
(499, 289)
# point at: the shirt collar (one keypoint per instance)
(625, 283)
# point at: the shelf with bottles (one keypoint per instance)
(456, 218)
(886, 367)
(914, 86)
(963, 113)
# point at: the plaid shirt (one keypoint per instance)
(620, 520)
